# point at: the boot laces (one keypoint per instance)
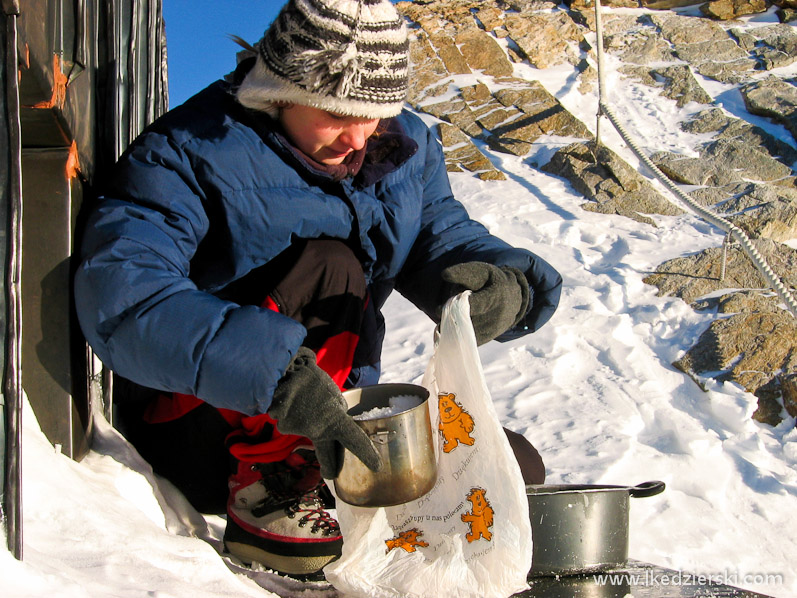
(313, 512)
(281, 486)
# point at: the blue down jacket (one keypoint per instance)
(211, 191)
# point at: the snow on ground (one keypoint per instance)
(593, 390)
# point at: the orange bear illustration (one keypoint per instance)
(407, 540)
(456, 424)
(480, 518)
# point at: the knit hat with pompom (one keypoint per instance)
(345, 56)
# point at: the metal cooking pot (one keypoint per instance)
(581, 528)
(404, 441)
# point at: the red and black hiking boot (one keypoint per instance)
(276, 517)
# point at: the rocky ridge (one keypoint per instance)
(740, 171)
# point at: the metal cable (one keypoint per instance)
(721, 223)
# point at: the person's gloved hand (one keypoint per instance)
(308, 403)
(499, 300)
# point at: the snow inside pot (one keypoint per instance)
(396, 418)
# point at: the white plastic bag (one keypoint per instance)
(470, 536)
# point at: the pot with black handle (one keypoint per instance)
(580, 529)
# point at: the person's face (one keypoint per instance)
(326, 137)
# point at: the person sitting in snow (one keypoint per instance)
(234, 268)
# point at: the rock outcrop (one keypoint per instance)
(747, 348)
(757, 344)
(697, 275)
(613, 186)
(775, 98)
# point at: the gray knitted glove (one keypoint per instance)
(499, 300)
(308, 403)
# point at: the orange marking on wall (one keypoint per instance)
(24, 62)
(72, 162)
(59, 87)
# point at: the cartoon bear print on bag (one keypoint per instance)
(407, 540)
(480, 518)
(456, 424)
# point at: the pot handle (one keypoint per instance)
(647, 489)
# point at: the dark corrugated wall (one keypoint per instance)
(10, 303)
(91, 75)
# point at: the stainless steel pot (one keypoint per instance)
(405, 443)
(581, 528)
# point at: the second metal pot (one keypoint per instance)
(581, 528)
(404, 441)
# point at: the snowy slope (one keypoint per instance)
(593, 390)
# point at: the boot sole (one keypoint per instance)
(292, 565)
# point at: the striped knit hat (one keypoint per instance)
(345, 56)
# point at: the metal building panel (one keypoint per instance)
(51, 198)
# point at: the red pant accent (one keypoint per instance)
(326, 268)
(334, 357)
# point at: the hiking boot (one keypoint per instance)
(276, 517)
